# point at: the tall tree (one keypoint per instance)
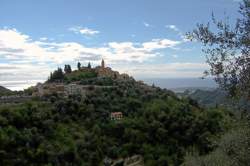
(89, 65)
(67, 69)
(56, 75)
(79, 65)
(227, 51)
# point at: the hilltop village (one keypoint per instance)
(97, 116)
(75, 86)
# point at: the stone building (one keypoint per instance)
(71, 89)
(62, 89)
(103, 71)
(48, 89)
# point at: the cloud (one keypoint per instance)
(160, 44)
(168, 70)
(43, 38)
(16, 46)
(180, 33)
(20, 76)
(84, 30)
(147, 25)
(25, 75)
(174, 56)
(28, 59)
(172, 27)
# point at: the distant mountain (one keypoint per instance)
(215, 97)
(4, 91)
(192, 89)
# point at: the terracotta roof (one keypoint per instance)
(116, 113)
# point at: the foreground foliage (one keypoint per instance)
(78, 131)
(233, 149)
(227, 50)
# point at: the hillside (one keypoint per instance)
(84, 129)
(216, 97)
(4, 91)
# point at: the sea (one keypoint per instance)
(181, 84)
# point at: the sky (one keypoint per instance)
(144, 38)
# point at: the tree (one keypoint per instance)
(56, 75)
(227, 51)
(79, 65)
(89, 65)
(67, 69)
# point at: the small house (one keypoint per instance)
(116, 116)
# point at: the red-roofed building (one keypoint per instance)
(116, 116)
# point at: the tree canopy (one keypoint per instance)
(79, 65)
(57, 75)
(67, 69)
(227, 50)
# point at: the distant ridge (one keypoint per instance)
(183, 83)
(192, 89)
(4, 91)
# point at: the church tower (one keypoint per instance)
(103, 64)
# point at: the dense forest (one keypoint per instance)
(216, 98)
(78, 130)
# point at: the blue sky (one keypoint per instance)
(144, 38)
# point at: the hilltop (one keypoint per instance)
(86, 117)
(80, 81)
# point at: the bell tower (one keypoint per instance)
(103, 64)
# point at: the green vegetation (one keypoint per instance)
(227, 47)
(217, 98)
(156, 124)
(227, 53)
(233, 149)
(56, 76)
(67, 69)
(78, 130)
(78, 76)
(4, 91)
(78, 65)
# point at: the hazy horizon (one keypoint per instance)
(168, 83)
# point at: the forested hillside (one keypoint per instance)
(217, 98)
(4, 91)
(78, 130)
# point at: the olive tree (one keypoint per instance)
(227, 50)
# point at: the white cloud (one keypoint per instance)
(43, 38)
(168, 70)
(172, 27)
(35, 59)
(174, 56)
(16, 46)
(20, 76)
(147, 24)
(159, 44)
(180, 34)
(20, 47)
(84, 30)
